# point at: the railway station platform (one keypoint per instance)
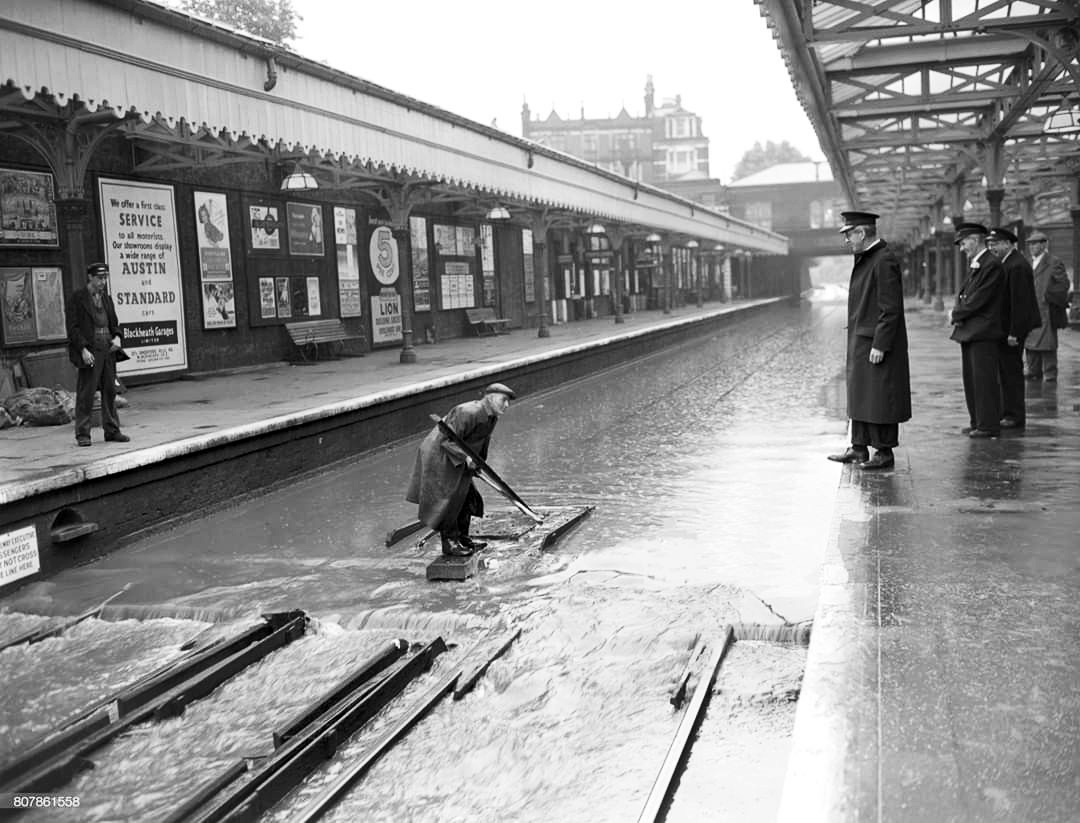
(942, 675)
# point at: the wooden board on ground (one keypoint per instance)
(508, 530)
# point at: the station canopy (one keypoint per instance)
(922, 108)
(191, 93)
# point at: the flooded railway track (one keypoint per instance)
(299, 739)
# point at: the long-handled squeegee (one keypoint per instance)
(485, 472)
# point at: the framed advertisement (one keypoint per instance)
(17, 305)
(267, 298)
(138, 222)
(27, 209)
(215, 260)
(305, 223)
(264, 227)
(348, 264)
(49, 314)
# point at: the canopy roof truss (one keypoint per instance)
(923, 106)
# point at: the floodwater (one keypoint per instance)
(713, 500)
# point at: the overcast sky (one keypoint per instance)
(482, 59)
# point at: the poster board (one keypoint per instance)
(139, 233)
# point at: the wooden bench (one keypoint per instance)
(484, 321)
(308, 334)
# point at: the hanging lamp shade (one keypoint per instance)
(298, 180)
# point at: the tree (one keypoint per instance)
(275, 20)
(759, 158)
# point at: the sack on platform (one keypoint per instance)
(41, 406)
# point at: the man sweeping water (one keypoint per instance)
(441, 482)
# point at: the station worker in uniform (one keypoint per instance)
(878, 376)
(94, 345)
(1052, 292)
(977, 327)
(1019, 315)
(441, 482)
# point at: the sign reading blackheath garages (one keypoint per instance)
(139, 232)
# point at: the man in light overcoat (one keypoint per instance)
(1051, 288)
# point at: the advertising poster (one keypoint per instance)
(27, 209)
(383, 253)
(212, 217)
(305, 229)
(49, 304)
(314, 304)
(348, 264)
(267, 300)
(264, 228)
(421, 273)
(139, 232)
(386, 317)
(215, 260)
(17, 305)
(219, 306)
(528, 265)
(284, 297)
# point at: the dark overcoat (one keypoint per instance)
(978, 310)
(877, 393)
(80, 324)
(1020, 308)
(1051, 281)
(440, 481)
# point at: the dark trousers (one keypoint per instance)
(1011, 374)
(982, 390)
(878, 435)
(456, 523)
(101, 376)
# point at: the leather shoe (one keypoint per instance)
(83, 441)
(469, 543)
(1010, 423)
(982, 434)
(851, 455)
(967, 430)
(453, 548)
(880, 460)
(119, 437)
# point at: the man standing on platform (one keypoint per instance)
(1020, 314)
(93, 348)
(977, 327)
(878, 378)
(1052, 291)
(441, 482)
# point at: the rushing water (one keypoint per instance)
(705, 465)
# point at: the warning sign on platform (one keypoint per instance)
(18, 554)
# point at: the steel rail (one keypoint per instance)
(459, 680)
(62, 765)
(347, 685)
(663, 789)
(37, 635)
(289, 765)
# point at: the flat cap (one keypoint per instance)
(500, 388)
(1036, 237)
(1000, 233)
(968, 229)
(97, 270)
(854, 219)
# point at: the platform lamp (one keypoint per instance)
(655, 240)
(298, 180)
(695, 262)
(498, 214)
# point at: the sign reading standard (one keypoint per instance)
(139, 230)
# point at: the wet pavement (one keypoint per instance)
(940, 683)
